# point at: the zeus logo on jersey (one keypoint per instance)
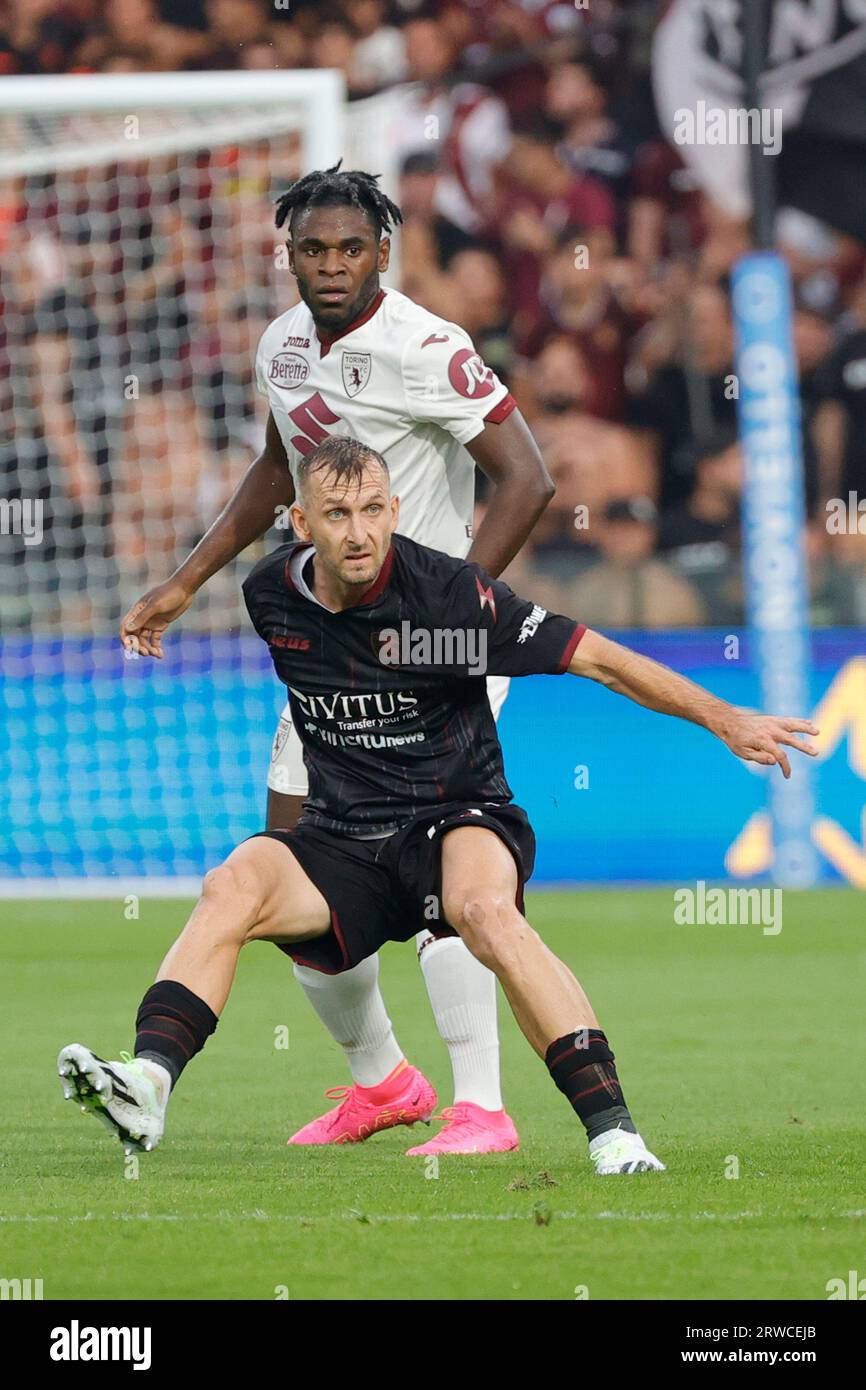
(531, 624)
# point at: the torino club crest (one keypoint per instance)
(356, 371)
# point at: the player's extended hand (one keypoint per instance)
(759, 738)
(142, 628)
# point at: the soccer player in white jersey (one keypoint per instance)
(354, 359)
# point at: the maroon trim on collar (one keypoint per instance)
(371, 594)
(379, 583)
(287, 576)
(501, 411)
(327, 343)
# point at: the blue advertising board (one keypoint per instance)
(115, 769)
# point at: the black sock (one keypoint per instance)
(581, 1065)
(172, 1025)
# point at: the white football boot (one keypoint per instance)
(129, 1097)
(618, 1151)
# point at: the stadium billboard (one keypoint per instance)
(122, 769)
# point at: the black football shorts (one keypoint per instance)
(391, 888)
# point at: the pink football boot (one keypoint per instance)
(401, 1099)
(470, 1130)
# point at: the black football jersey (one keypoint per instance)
(389, 696)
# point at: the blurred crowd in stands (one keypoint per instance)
(543, 212)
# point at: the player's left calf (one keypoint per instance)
(172, 1025)
(582, 1067)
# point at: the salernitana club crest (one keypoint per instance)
(284, 728)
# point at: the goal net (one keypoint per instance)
(139, 264)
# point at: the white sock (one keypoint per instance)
(353, 1011)
(160, 1076)
(463, 997)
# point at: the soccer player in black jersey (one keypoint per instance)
(383, 645)
(360, 359)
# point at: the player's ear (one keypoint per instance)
(298, 518)
(395, 512)
(291, 250)
(384, 253)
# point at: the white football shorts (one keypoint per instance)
(287, 773)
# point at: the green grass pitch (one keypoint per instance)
(737, 1052)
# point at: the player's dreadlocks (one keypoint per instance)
(331, 188)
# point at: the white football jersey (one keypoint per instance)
(400, 379)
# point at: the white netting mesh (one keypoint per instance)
(134, 292)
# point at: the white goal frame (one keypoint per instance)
(310, 102)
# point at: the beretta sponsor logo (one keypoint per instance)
(288, 370)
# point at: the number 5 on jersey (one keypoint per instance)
(309, 417)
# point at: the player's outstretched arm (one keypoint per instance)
(509, 456)
(757, 738)
(248, 514)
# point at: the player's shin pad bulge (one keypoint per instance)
(287, 773)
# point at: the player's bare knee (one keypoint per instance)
(468, 910)
(236, 891)
(490, 926)
(504, 945)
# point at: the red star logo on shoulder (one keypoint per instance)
(485, 597)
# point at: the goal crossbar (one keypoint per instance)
(250, 103)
